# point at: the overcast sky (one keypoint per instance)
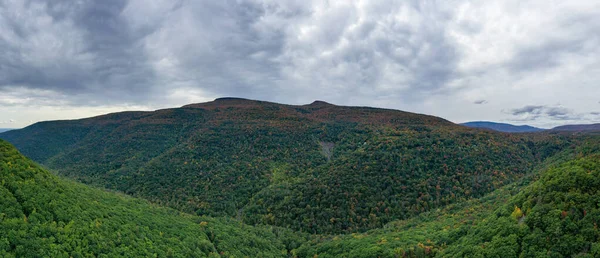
(525, 62)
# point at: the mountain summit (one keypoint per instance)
(364, 182)
(318, 168)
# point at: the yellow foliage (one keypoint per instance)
(382, 241)
(357, 236)
(517, 213)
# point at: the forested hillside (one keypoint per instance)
(327, 181)
(42, 215)
(552, 213)
(316, 168)
(556, 216)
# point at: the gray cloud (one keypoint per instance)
(535, 110)
(222, 50)
(421, 56)
(82, 49)
(99, 51)
(559, 113)
(550, 53)
(532, 112)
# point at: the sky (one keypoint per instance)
(533, 62)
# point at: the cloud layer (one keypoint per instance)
(510, 60)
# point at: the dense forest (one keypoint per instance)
(241, 178)
(317, 168)
(553, 212)
(42, 215)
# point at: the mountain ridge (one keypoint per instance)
(578, 128)
(502, 127)
(362, 182)
(317, 168)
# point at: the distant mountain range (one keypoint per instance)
(508, 128)
(501, 127)
(578, 128)
(5, 129)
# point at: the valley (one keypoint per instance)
(323, 179)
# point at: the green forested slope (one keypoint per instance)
(552, 213)
(364, 182)
(45, 216)
(420, 236)
(557, 216)
(317, 168)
